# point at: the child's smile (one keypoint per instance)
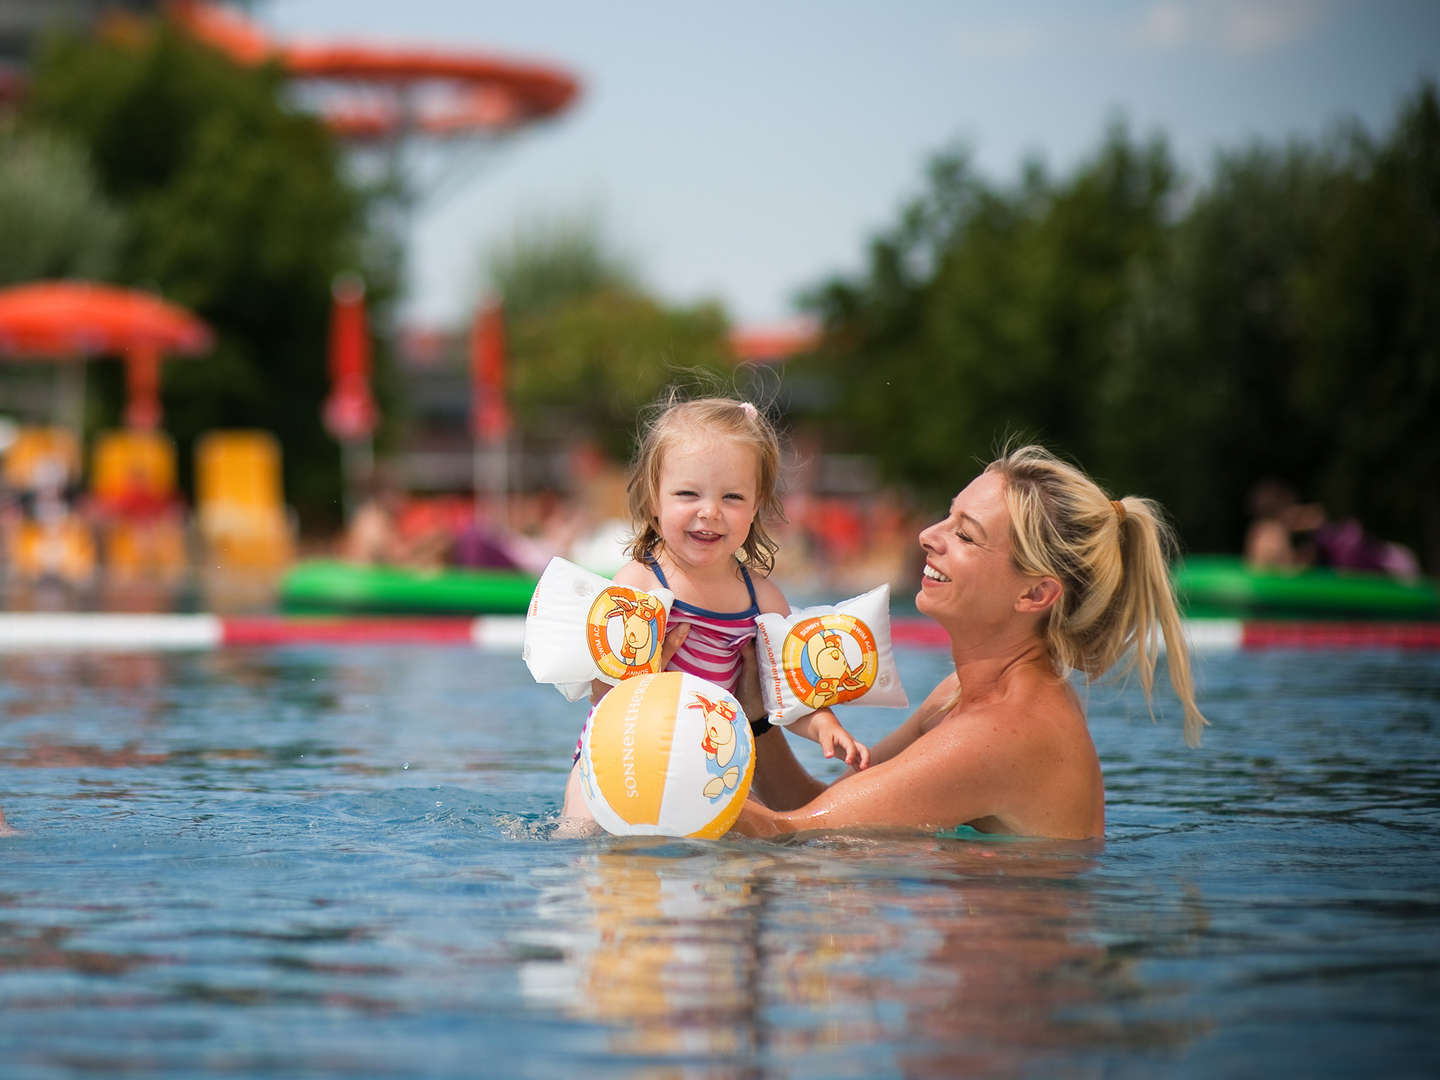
(706, 501)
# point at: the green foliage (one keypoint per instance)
(591, 364)
(1280, 321)
(548, 262)
(235, 207)
(589, 349)
(55, 221)
(999, 305)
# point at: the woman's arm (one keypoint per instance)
(950, 775)
(781, 782)
(936, 703)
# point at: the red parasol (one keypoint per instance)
(489, 411)
(76, 319)
(349, 410)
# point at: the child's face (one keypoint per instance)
(706, 500)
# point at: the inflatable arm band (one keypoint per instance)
(828, 655)
(581, 626)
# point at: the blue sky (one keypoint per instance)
(743, 150)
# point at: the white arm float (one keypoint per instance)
(828, 655)
(581, 626)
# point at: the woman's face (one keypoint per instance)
(969, 575)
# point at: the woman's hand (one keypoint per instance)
(747, 689)
(671, 645)
(673, 637)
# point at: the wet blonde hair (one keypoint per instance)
(1111, 558)
(676, 421)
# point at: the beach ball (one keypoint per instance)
(666, 755)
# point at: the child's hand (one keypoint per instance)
(851, 750)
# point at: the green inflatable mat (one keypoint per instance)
(1211, 586)
(330, 586)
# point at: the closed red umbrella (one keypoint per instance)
(350, 412)
(489, 410)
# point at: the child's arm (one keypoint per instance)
(822, 726)
(639, 576)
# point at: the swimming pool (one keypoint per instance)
(326, 862)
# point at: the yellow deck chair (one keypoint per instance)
(142, 530)
(41, 456)
(239, 504)
(130, 462)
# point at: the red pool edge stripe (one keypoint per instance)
(345, 630)
(1339, 635)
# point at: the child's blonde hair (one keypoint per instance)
(1111, 559)
(675, 421)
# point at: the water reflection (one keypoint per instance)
(936, 957)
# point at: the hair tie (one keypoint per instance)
(1119, 508)
(748, 409)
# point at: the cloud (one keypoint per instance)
(1012, 39)
(1263, 27)
(1233, 27)
(1163, 26)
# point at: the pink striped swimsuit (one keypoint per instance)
(711, 649)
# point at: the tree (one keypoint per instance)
(988, 313)
(1201, 391)
(589, 348)
(236, 207)
(1283, 323)
(1369, 325)
(55, 220)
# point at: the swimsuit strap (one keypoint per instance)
(749, 585)
(654, 565)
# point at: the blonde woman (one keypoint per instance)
(1034, 573)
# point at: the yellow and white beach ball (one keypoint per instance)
(667, 755)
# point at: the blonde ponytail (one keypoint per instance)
(1111, 558)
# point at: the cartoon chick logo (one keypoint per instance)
(830, 659)
(623, 630)
(719, 743)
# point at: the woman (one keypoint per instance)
(1034, 573)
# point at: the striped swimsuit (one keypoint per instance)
(711, 649)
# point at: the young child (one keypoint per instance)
(702, 491)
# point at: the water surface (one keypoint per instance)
(338, 862)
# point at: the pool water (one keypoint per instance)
(313, 862)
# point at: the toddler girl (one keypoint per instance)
(702, 491)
